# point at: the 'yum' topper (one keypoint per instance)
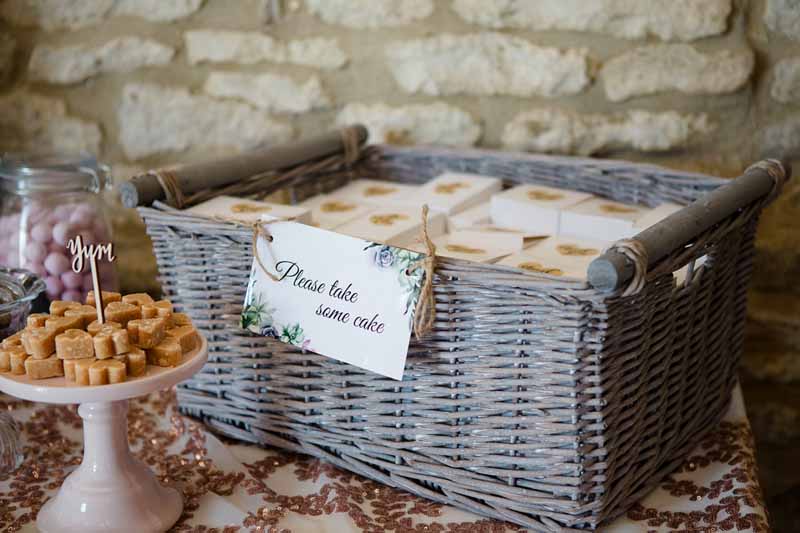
(91, 253)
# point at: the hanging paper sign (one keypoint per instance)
(335, 295)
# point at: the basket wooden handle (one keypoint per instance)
(146, 188)
(614, 269)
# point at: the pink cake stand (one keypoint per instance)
(110, 491)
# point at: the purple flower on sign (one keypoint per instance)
(269, 331)
(384, 256)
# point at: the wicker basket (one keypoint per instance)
(538, 400)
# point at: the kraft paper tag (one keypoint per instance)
(339, 296)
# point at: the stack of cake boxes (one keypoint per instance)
(532, 227)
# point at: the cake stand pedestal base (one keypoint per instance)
(110, 491)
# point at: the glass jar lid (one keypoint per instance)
(18, 289)
(18, 286)
(29, 173)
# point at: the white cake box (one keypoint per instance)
(373, 192)
(328, 212)
(248, 211)
(558, 256)
(395, 226)
(472, 245)
(533, 208)
(601, 219)
(453, 192)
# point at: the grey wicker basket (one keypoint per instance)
(546, 402)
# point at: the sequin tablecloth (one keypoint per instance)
(231, 487)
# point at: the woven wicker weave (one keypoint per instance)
(535, 399)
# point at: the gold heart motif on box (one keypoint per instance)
(459, 248)
(533, 266)
(450, 188)
(335, 206)
(250, 208)
(544, 195)
(612, 208)
(378, 190)
(572, 249)
(386, 220)
(402, 137)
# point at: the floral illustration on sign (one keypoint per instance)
(255, 312)
(257, 318)
(294, 335)
(406, 264)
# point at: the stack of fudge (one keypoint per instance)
(532, 227)
(70, 342)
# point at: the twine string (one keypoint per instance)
(425, 313)
(260, 230)
(350, 142)
(774, 170)
(169, 184)
(637, 254)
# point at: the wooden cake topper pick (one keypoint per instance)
(92, 252)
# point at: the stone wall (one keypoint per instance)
(701, 84)
(707, 85)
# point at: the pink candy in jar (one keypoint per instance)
(46, 250)
(44, 203)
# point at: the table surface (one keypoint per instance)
(231, 487)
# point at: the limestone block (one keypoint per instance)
(783, 138)
(675, 67)
(669, 20)
(486, 64)
(72, 64)
(370, 13)
(155, 119)
(560, 131)
(31, 122)
(75, 14)
(271, 92)
(55, 14)
(436, 123)
(158, 10)
(248, 47)
(783, 16)
(786, 82)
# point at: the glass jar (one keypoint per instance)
(18, 290)
(11, 455)
(46, 201)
